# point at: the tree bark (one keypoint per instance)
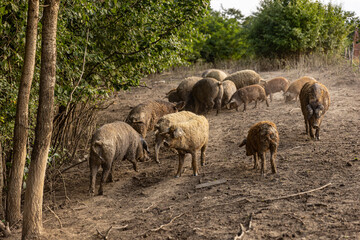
(13, 210)
(32, 219)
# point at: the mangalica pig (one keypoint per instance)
(214, 73)
(276, 85)
(205, 94)
(294, 88)
(187, 133)
(229, 90)
(182, 92)
(144, 116)
(247, 95)
(244, 78)
(117, 140)
(315, 101)
(262, 136)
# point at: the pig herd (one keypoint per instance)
(180, 124)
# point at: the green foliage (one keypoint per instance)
(221, 37)
(288, 28)
(124, 41)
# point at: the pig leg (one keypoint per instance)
(93, 171)
(271, 97)
(203, 154)
(317, 133)
(194, 164)
(158, 141)
(106, 170)
(311, 130)
(255, 103)
(256, 161)
(267, 101)
(263, 164)
(181, 164)
(244, 107)
(272, 160)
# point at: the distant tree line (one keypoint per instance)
(278, 29)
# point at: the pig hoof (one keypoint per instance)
(176, 176)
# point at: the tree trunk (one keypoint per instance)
(13, 210)
(2, 173)
(32, 219)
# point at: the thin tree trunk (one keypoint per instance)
(13, 210)
(2, 173)
(32, 219)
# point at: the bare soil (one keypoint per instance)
(152, 204)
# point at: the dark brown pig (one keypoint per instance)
(117, 140)
(183, 90)
(315, 101)
(262, 136)
(144, 116)
(205, 94)
(246, 95)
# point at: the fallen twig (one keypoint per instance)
(144, 210)
(164, 225)
(297, 194)
(56, 216)
(244, 230)
(121, 227)
(241, 234)
(209, 184)
(106, 234)
(75, 164)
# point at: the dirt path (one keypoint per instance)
(152, 204)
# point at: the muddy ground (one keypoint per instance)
(152, 204)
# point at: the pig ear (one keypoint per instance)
(178, 132)
(309, 110)
(243, 143)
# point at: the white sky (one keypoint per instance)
(248, 6)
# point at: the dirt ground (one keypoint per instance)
(152, 204)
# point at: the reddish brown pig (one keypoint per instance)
(295, 87)
(144, 116)
(315, 101)
(276, 85)
(246, 95)
(262, 136)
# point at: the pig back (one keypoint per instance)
(117, 138)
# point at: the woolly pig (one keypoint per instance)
(229, 90)
(246, 95)
(214, 73)
(315, 101)
(205, 94)
(262, 136)
(117, 140)
(276, 85)
(244, 78)
(144, 116)
(187, 133)
(182, 92)
(295, 87)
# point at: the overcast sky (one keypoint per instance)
(248, 6)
